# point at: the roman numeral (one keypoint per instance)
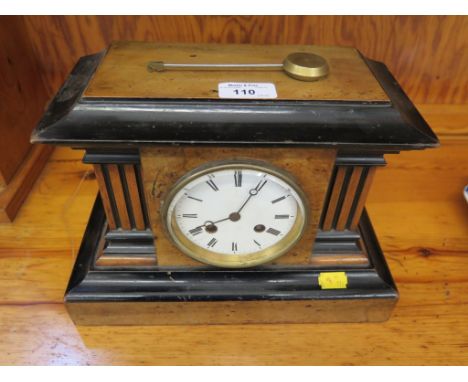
(273, 231)
(190, 215)
(238, 178)
(212, 242)
(281, 216)
(256, 242)
(212, 185)
(196, 231)
(278, 200)
(191, 197)
(234, 247)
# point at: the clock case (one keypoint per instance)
(116, 279)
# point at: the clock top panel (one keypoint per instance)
(123, 72)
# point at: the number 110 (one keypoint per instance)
(244, 91)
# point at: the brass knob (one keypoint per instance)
(305, 66)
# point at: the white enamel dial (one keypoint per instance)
(236, 215)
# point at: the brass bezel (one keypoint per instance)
(241, 261)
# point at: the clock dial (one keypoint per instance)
(235, 214)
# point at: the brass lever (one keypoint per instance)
(301, 66)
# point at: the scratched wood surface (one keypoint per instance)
(123, 72)
(419, 214)
(427, 54)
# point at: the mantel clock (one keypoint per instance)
(232, 182)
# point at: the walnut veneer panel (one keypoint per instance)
(196, 313)
(123, 72)
(163, 166)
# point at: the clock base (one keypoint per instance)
(148, 296)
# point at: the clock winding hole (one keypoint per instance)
(259, 228)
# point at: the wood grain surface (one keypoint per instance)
(427, 54)
(418, 212)
(22, 95)
(165, 165)
(14, 194)
(123, 72)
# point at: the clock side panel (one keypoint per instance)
(162, 166)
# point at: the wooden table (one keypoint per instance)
(418, 212)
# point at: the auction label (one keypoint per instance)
(246, 90)
(333, 280)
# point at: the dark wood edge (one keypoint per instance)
(71, 120)
(112, 156)
(69, 94)
(374, 251)
(267, 283)
(90, 245)
(401, 101)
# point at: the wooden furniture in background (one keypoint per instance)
(23, 96)
(427, 54)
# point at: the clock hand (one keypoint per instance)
(234, 216)
(210, 223)
(253, 192)
(218, 221)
